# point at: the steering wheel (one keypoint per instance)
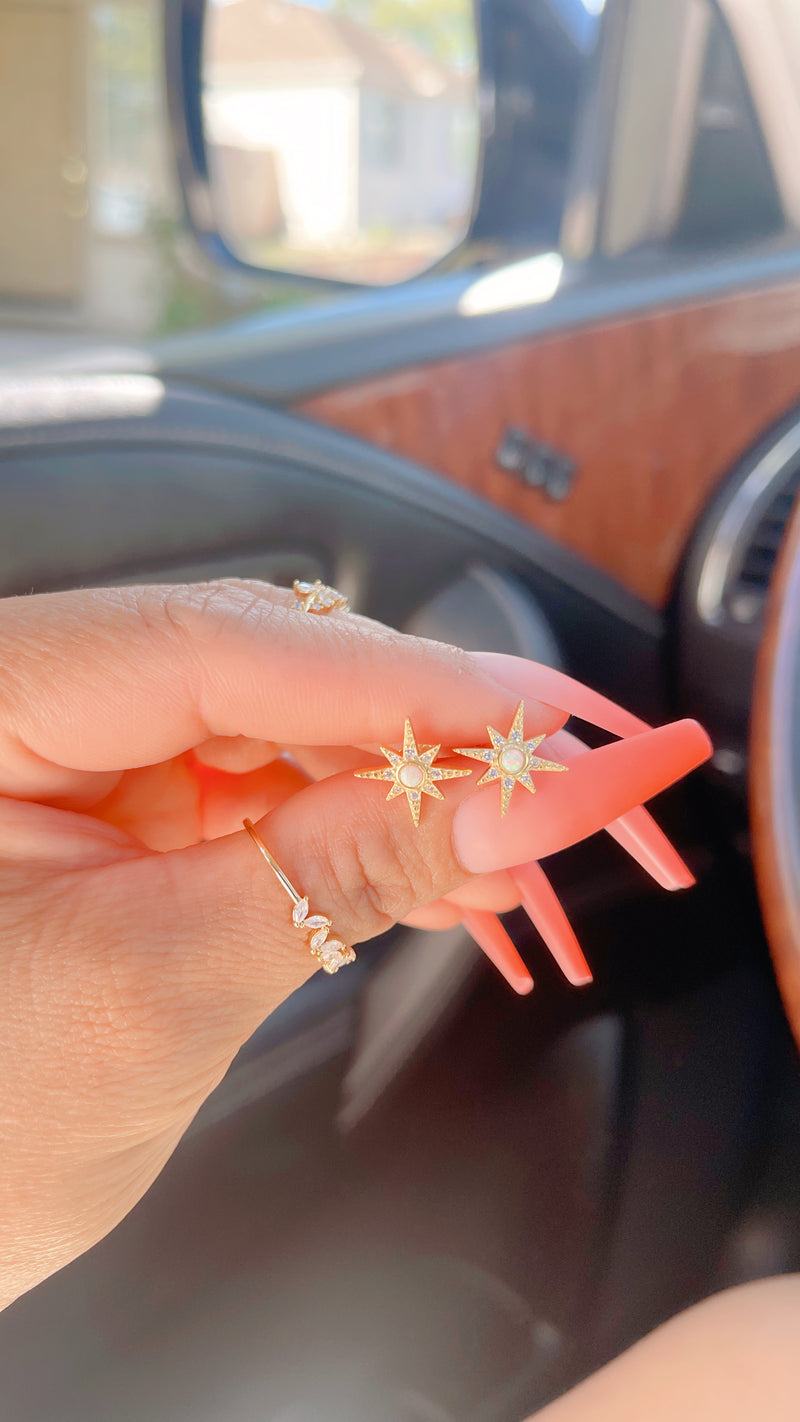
(775, 772)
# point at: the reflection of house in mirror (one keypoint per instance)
(327, 134)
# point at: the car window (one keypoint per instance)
(701, 155)
(97, 241)
(706, 130)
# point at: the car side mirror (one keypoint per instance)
(337, 141)
(352, 142)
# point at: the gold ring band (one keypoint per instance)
(331, 953)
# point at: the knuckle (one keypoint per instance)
(202, 610)
(156, 606)
(171, 608)
(376, 877)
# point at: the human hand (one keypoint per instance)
(143, 938)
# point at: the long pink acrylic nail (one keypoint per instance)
(542, 906)
(532, 679)
(491, 937)
(636, 832)
(601, 787)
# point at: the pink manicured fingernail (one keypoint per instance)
(532, 679)
(598, 788)
(637, 832)
(491, 937)
(541, 904)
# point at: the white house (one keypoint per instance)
(350, 135)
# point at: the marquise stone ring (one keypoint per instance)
(331, 952)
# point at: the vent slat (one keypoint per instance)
(759, 558)
(768, 539)
(751, 581)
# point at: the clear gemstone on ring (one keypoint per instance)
(333, 955)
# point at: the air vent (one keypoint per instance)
(748, 589)
(724, 589)
(744, 533)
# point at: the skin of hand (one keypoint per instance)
(143, 939)
(732, 1358)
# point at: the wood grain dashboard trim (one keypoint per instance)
(654, 408)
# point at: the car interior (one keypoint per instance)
(537, 392)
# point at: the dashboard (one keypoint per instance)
(144, 477)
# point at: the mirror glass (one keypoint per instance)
(342, 137)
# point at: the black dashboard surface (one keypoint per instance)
(128, 478)
(104, 478)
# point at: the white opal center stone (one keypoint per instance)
(512, 760)
(411, 776)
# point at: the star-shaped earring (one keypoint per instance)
(412, 772)
(511, 759)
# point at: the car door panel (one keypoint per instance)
(654, 410)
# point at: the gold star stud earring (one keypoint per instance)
(511, 759)
(412, 772)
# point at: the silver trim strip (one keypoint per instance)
(741, 514)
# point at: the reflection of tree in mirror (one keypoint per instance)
(143, 274)
(443, 29)
(192, 293)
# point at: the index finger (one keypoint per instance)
(111, 679)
